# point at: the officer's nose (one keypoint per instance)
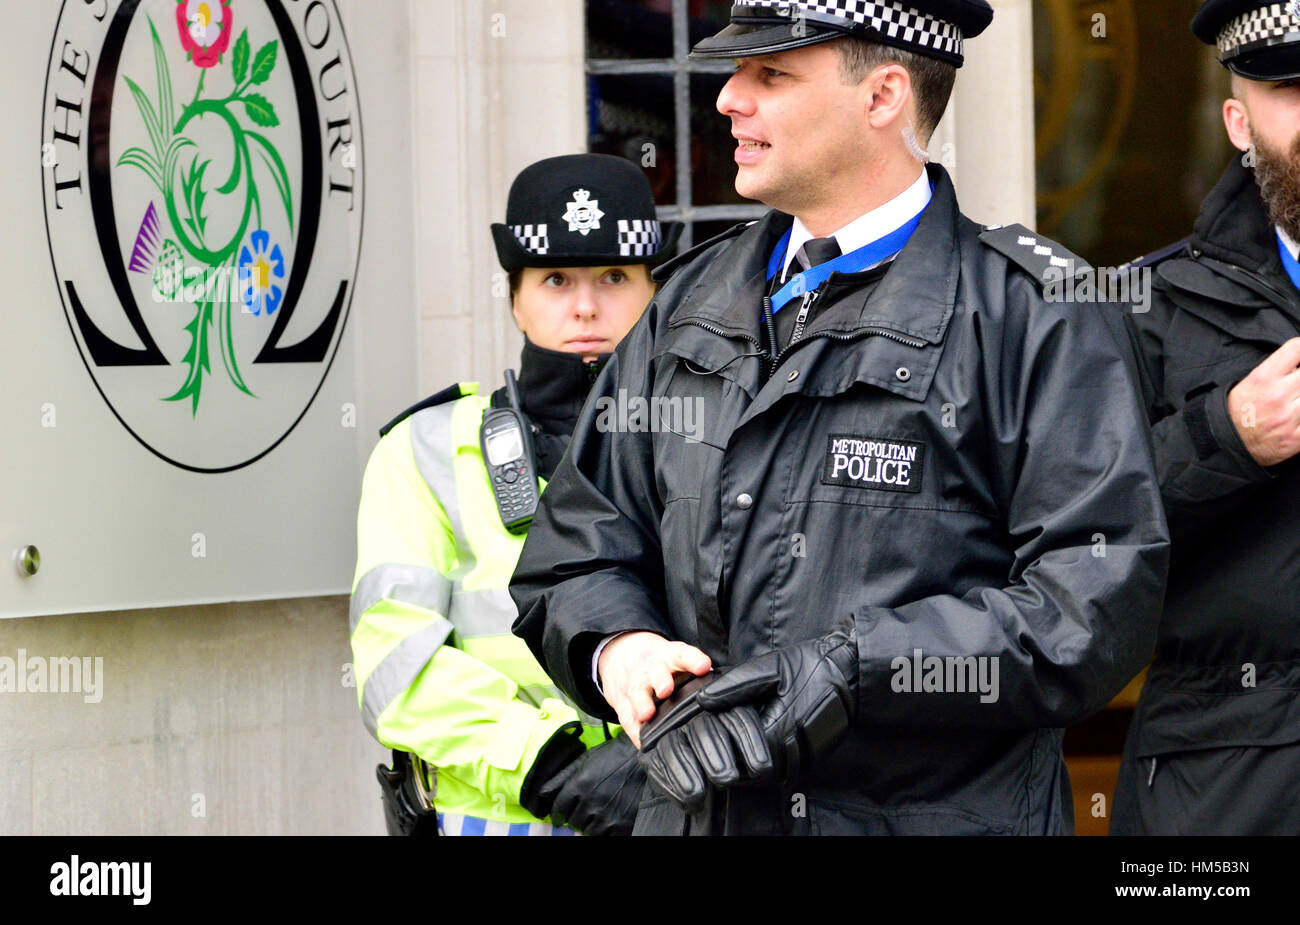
(735, 98)
(584, 303)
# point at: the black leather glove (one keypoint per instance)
(594, 790)
(561, 750)
(764, 720)
(723, 750)
(599, 793)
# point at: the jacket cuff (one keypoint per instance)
(523, 731)
(1226, 436)
(589, 696)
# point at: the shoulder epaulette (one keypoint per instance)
(1042, 258)
(450, 393)
(665, 270)
(1160, 256)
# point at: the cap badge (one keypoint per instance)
(584, 212)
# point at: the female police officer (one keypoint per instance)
(440, 529)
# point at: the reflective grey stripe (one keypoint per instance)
(482, 613)
(536, 693)
(433, 450)
(410, 584)
(396, 672)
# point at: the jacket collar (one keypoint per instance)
(1235, 269)
(553, 385)
(915, 298)
(1233, 224)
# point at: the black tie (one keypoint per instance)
(816, 251)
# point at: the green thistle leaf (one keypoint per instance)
(275, 165)
(264, 63)
(239, 63)
(150, 117)
(142, 159)
(165, 103)
(196, 358)
(260, 110)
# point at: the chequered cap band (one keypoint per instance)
(533, 238)
(638, 237)
(898, 21)
(1267, 25)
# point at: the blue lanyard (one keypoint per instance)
(1289, 263)
(854, 261)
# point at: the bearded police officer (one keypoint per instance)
(1215, 744)
(917, 528)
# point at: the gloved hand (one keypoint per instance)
(599, 793)
(765, 720)
(594, 790)
(723, 750)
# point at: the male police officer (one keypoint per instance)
(1215, 745)
(920, 529)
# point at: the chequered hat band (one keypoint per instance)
(1267, 25)
(533, 238)
(897, 21)
(638, 237)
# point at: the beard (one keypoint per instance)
(1278, 175)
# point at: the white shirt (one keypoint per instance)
(872, 226)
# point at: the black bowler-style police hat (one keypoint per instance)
(934, 28)
(1259, 41)
(582, 210)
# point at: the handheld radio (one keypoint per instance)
(508, 452)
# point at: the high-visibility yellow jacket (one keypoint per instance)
(438, 672)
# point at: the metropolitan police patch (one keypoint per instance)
(882, 463)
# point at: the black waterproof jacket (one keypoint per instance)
(997, 500)
(1214, 747)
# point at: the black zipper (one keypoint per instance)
(721, 332)
(775, 357)
(808, 299)
(835, 335)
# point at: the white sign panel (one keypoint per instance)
(202, 200)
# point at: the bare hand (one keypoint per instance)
(637, 667)
(1265, 406)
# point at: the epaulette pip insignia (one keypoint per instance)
(1044, 259)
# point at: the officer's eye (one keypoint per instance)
(770, 72)
(616, 277)
(555, 280)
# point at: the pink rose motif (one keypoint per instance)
(205, 27)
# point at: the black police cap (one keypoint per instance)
(582, 210)
(1259, 41)
(934, 28)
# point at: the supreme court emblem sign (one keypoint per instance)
(203, 187)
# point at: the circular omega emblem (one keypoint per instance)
(202, 172)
